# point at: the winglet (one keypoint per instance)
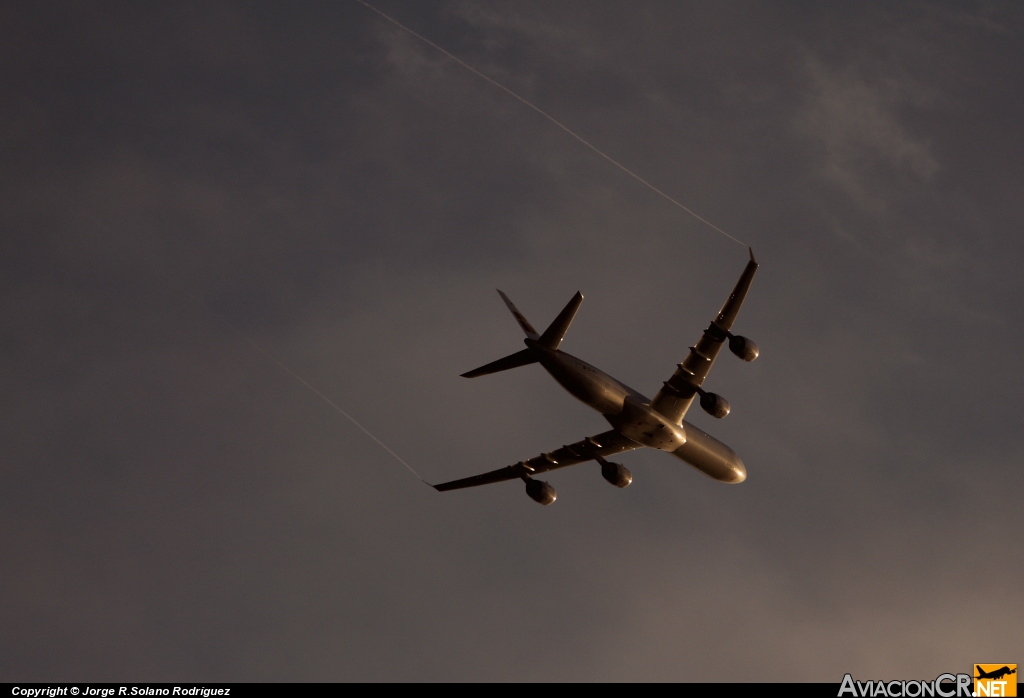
(727, 315)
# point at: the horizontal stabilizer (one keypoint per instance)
(520, 358)
(553, 335)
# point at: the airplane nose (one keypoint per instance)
(739, 472)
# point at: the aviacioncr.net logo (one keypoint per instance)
(944, 686)
(995, 680)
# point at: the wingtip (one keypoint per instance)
(751, 250)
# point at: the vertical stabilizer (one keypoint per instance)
(520, 318)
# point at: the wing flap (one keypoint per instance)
(509, 472)
(675, 398)
(607, 444)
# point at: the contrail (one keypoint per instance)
(282, 365)
(553, 120)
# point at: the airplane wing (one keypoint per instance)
(607, 444)
(675, 398)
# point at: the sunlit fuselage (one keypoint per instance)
(631, 414)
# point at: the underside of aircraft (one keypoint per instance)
(636, 421)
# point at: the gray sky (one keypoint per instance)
(175, 507)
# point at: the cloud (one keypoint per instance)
(858, 127)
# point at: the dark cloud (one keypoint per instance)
(183, 181)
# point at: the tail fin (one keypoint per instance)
(553, 335)
(551, 338)
(523, 322)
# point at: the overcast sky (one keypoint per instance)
(184, 181)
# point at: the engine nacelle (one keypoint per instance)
(540, 492)
(616, 473)
(743, 348)
(715, 405)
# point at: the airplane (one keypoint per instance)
(995, 674)
(636, 420)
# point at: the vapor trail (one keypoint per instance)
(330, 402)
(553, 120)
(283, 366)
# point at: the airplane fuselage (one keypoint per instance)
(631, 414)
(588, 384)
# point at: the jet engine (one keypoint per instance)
(743, 347)
(540, 492)
(715, 405)
(616, 473)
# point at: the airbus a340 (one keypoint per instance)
(636, 421)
